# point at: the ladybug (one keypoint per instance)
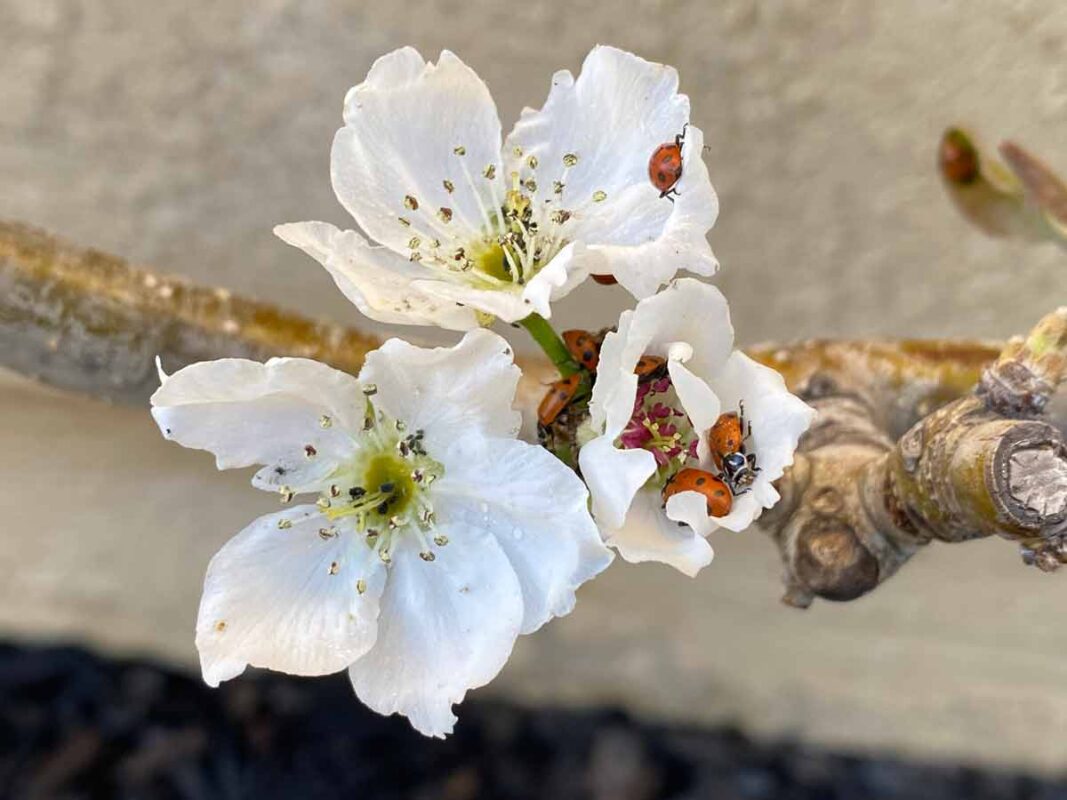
(715, 490)
(650, 368)
(726, 441)
(583, 348)
(559, 396)
(665, 166)
(605, 280)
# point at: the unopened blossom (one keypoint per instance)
(435, 539)
(643, 433)
(456, 221)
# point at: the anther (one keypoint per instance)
(400, 425)
(385, 557)
(410, 203)
(427, 556)
(372, 536)
(489, 171)
(570, 159)
(531, 162)
(285, 524)
(414, 242)
(404, 221)
(415, 256)
(449, 186)
(561, 216)
(325, 421)
(445, 214)
(394, 522)
(370, 389)
(361, 586)
(286, 493)
(334, 568)
(440, 540)
(517, 151)
(599, 196)
(557, 187)
(310, 451)
(356, 492)
(530, 185)
(460, 150)
(327, 533)
(220, 626)
(323, 503)
(334, 491)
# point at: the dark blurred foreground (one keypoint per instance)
(73, 725)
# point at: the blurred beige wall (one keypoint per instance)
(179, 133)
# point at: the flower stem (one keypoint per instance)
(550, 341)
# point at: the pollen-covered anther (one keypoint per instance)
(334, 568)
(489, 171)
(410, 203)
(414, 242)
(599, 196)
(325, 421)
(570, 159)
(310, 451)
(557, 187)
(440, 540)
(445, 214)
(286, 493)
(361, 586)
(449, 186)
(530, 185)
(284, 524)
(459, 150)
(370, 389)
(560, 216)
(327, 533)
(531, 162)
(415, 256)
(427, 556)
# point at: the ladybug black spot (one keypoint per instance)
(719, 492)
(701, 481)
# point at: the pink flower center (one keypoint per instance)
(659, 425)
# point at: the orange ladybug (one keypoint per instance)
(583, 348)
(715, 491)
(649, 368)
(605, 280)
(557, 398)
(665, 166)
(726, 441)
(726, 436)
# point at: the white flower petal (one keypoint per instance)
(556, 279)
(613, 476)
(537, 509)
(250, 413)
(682, 244)
(446, 626)
(698, 401)
(287, 599)
(402, 126)
(449, 392)
(382, 284)
(778, 420)
(613, 117)
(649, 535)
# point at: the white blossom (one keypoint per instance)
(458, 222)
(645, 432)
(436, 539)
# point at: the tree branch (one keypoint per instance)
(915, 441)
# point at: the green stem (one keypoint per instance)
(550, 341)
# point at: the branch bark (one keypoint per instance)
(915, 441)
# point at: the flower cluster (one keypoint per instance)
(433, 536)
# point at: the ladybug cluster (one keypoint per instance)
(736, 466)
(562, 407)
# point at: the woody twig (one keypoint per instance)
(915, 441)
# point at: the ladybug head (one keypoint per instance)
(734, 463)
